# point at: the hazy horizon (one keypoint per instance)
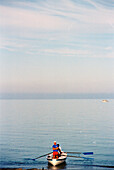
(56, 96)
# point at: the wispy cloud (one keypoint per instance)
(61, 15)
(109, 48)
(53, 21)
(19, 19)
(78, 48)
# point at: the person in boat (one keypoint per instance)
(55, 150)
(59, 149)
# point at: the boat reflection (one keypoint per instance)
(61, 166)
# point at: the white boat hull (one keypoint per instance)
(58, 161)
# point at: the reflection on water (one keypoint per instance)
(61, 166)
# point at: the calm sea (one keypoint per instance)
(29, 127)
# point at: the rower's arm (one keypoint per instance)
(55, 148)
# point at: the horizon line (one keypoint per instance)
(56, 95)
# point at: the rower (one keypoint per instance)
(55, 150)
(59, 149)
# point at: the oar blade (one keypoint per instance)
(33, 159)
(88, 153)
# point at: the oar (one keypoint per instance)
(84, 153)
(42, 156)
(74, 156)
(78, 157)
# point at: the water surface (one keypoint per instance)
(29, 127)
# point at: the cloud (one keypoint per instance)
(78, 48)
(12, 45)
(56, 23)
(28, 19)
(108, 48)
(58, 16)
(66, 52)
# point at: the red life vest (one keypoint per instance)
(55, 148)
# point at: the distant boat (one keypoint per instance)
(104, 101)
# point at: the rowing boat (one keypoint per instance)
(57, 161)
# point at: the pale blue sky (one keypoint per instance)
(57, 46)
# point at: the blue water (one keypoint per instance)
(29, 127)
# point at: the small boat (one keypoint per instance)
(61, 159)
(104, 101)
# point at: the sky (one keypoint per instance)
(57, 46)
